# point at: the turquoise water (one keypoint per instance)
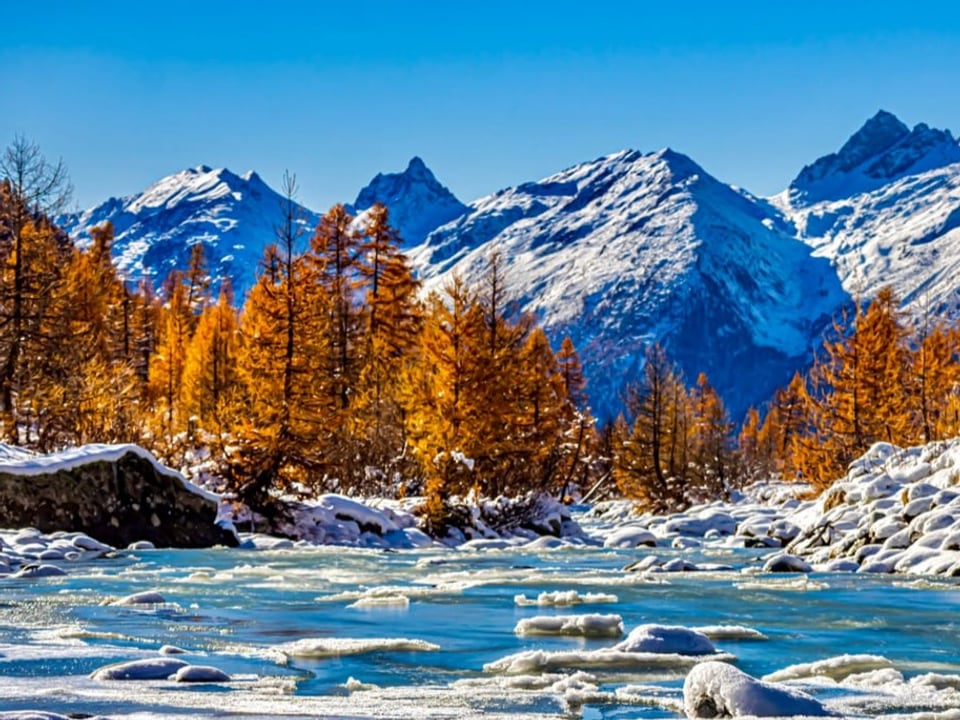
(236, 609)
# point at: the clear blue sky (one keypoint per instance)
(490, 93)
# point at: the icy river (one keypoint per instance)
(342, 632)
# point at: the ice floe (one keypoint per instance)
(563, 598)
(591, 625)
(337, 647)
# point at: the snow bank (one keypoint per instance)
(897, 510)
(715, 689)
(536, 521)
(581, 625)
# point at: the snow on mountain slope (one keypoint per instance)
(885, 210)
(234, 216)
(417, 201)
(633, 248)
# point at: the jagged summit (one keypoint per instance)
(883, 150)
(233, 216)
(417, 201)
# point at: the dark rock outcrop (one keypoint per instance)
(116, 494)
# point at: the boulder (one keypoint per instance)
(118, 494)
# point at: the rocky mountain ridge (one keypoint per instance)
(630, 248)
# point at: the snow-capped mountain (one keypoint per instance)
(234, 216)
(885, 210)
(633, 248)
(417, 201)
(629, 249)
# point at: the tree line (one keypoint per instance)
(333, 374)
(336, 374)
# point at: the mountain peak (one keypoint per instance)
(417, 201)
(417, 166)
(883, 150)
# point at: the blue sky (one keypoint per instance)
(490, 94)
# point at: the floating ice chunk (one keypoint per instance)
(666, 639)
(336, 647)
(141, 545)
(630, 537)
(534, 661)
(149, 597)
(563, 598)
(730, 632)
(875, 678)
(200, 674)
(715, 689)
(149, 669)
(31, 715)
(354, 685)
(380, 601)
(836, 668)
(591, 625)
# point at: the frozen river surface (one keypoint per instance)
(340, 632)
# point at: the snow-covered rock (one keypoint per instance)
(148, 669)
(667, 639)
(718, 690)
(200, 674)
(117, 493)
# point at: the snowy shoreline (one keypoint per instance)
(896, 511)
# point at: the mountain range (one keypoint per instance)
(628, 249)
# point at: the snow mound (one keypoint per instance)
(149, 669)
(200, 674)
(717, 690)
(666, 639)
(591, 625)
